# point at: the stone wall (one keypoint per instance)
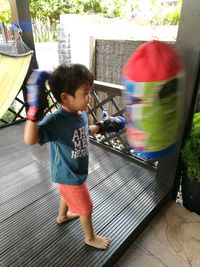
(107, 59)
(64, 46)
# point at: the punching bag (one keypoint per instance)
(153, 98)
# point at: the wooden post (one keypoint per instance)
(188, 45)
(21, 15)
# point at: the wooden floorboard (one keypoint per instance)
(124, 194)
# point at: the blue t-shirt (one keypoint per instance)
(68, 136)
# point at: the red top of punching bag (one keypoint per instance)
(152, 61)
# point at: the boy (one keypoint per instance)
(67, 131)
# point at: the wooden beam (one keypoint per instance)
(188, 45)
(21, 15)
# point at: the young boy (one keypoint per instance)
(67, 131)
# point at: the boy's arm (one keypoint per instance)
(111, 124)
(94, 129)
(31, 133)
(37, 102)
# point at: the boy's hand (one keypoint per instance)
(37, 95)
(111, 124)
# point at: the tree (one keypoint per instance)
(45, 13)
(5, 14)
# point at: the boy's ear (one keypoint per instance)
(64, 97)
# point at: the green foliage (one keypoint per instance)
(45, 13)
(44, 30)
(168, 18)
(53, 8)
(8, 117)
(89, 6)
(114, 8)
(190, 153)
(171, 18)
(166, 14)
(5, 14)
(41, 9)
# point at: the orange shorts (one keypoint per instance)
(77, 198)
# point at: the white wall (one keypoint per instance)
(84, 29)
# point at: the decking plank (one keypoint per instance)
(50, 246)
(124, 195)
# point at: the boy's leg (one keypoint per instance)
(64, 214)
(91, 239)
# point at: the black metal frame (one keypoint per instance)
(19, 115)
(20, 99)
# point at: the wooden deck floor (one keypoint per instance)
(125, 196)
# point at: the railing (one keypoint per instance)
(17, 111)
(107, 96)
(104, 96)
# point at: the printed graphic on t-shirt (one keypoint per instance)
(80, 140)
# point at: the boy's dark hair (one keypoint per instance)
(68, 78)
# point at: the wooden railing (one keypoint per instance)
(107, 96)
(104, 96)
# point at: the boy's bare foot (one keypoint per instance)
(69, 216)
(100, 242)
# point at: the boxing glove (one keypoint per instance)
(111, 124)
(37, 95)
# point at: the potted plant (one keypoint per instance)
(190, 156)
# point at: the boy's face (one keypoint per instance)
(79, 102)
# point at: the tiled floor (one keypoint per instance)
(171, 240)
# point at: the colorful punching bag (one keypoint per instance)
(152, 79)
